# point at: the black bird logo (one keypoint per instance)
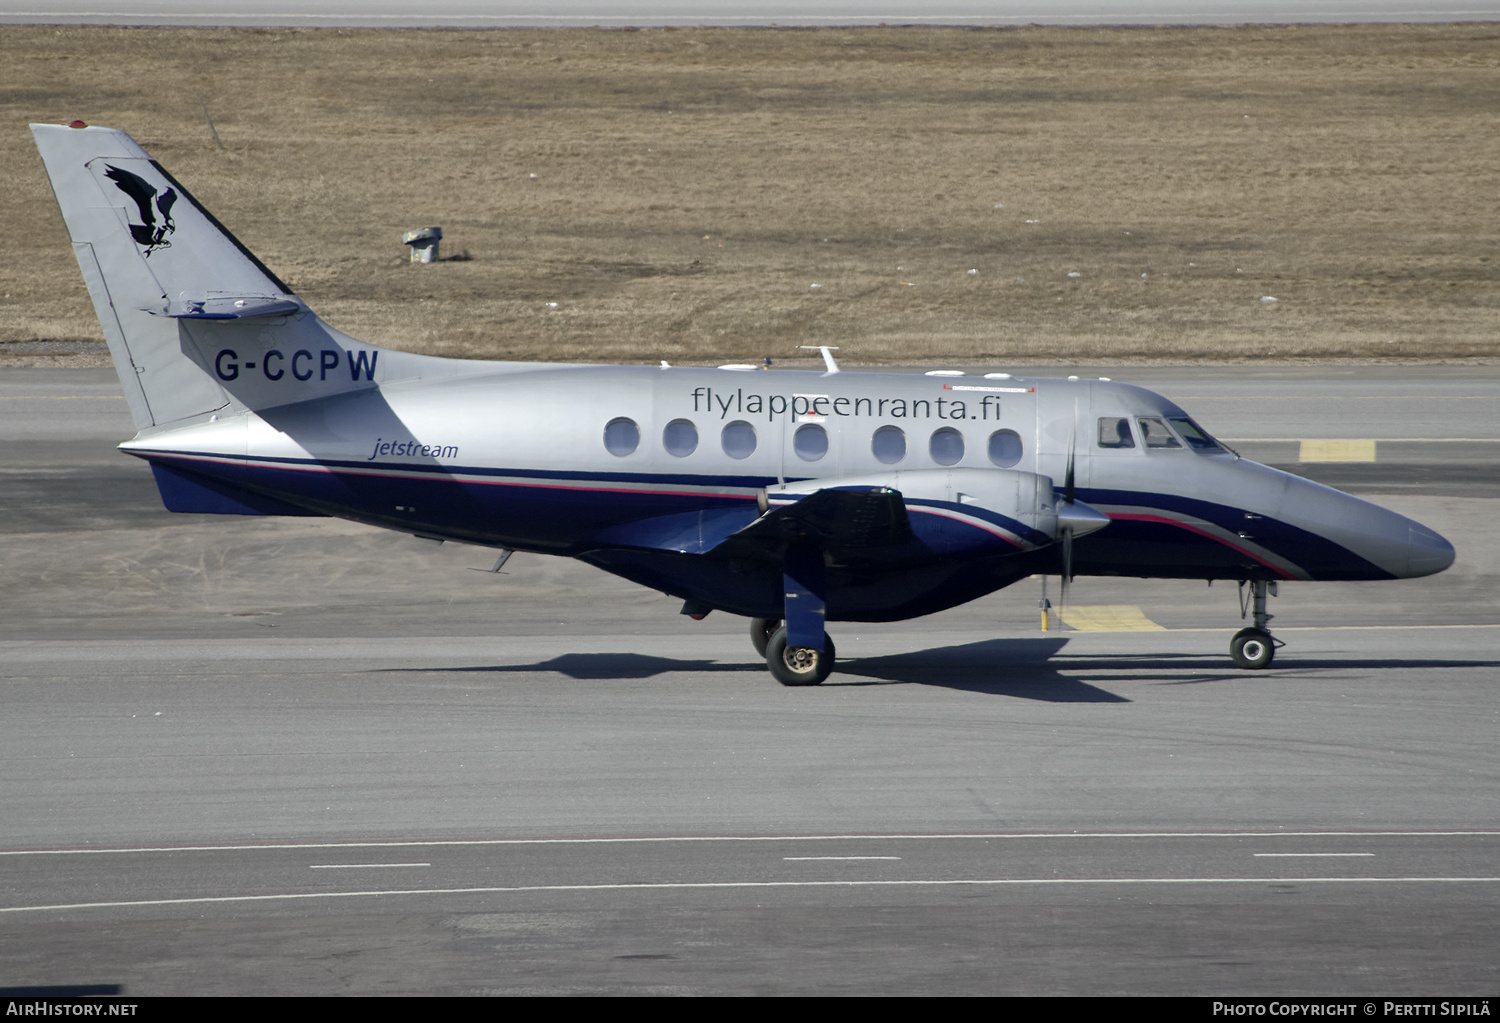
(151, 232)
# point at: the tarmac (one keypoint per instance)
(301, 756)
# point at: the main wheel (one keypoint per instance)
(760, 632)
(1252, 648)
(798, 665)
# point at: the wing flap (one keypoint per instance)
(833, 518)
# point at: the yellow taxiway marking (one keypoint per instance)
(1332, 397)
(1381, 440)
(1334, 628)
(1108, 618)
(1337, 451)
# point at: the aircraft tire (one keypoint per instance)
(1252, 648)
(760, 632)
(798, 665)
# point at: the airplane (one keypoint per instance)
(792, 498)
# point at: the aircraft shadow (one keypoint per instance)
(603, 666)
(1030, 669)
(1000, 667)
(1020, 668)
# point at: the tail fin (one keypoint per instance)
(194, 322)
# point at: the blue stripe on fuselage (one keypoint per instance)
(1179, 552)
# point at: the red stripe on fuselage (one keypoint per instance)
(970, 521)
(442, 474)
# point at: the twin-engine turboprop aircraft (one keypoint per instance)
(792, 498)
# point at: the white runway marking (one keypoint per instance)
(361, 866)
(682, 885)
(1315, 854)
(753, 838)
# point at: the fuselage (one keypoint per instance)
(645, 471)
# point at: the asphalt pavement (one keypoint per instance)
(303, 756)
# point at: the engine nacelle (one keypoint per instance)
(953, 509)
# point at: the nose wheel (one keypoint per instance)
(1254, 647)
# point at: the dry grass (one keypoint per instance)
(692, 185)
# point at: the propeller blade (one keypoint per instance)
(1072, 447)
(1069, 494)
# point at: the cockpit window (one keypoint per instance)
(1114, 432)
(1193, 434)
(1156, 434)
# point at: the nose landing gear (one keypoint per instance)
(1254, 647)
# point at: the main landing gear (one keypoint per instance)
(791, 665)
(1254, 647)
(797, 650)
(760, 633)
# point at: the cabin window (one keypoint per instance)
(622, 437)
(810, 442)
(738, 440)
(946, 446)
(1157, 435)
(1191, 432)
(1114, 432)
(680, 438)
(1005, 448)
(888, 445)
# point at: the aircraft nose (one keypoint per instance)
(1427, 553)
(1380, 539)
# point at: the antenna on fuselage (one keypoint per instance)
(833, 367)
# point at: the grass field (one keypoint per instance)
(679, 194)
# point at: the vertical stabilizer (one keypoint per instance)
(195, 323)
(144, 244)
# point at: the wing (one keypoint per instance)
(853, 521)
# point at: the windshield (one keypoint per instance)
(1156, 434)
(1191, 432)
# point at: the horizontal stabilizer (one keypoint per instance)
(225, 308)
